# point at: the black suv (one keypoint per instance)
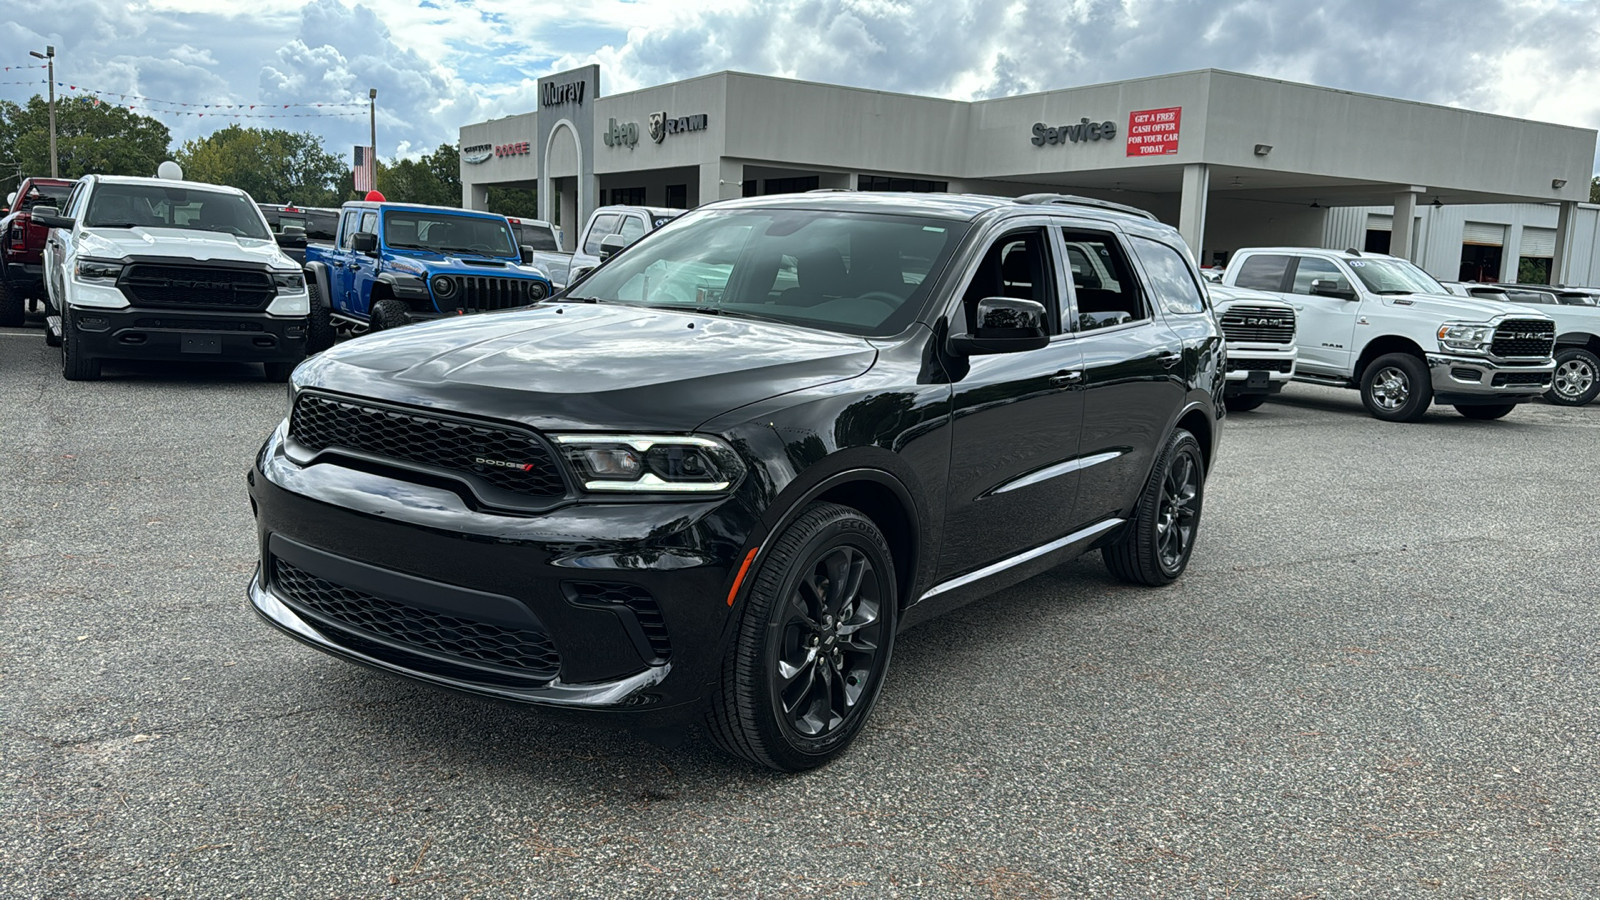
(714, 479)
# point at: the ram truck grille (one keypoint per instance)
(197, 287)
(505, 458)
(1258, 324)
(482, 293)
(1524, 338)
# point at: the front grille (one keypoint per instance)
(1533, 338)
(1501, 379)
(633, 597)
(1262, 324)
(530, 468)
(197, 287)
(481, 293)
(525, 652)
(1260, 365)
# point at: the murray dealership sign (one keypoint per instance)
(553, 94)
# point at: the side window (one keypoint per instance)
(1263, 272)
(74, 205)
(1016, 265)
(1170, 279)
(1312, 269)
(1102, 280)
(348, 229)
(632, 228)
(369, 222)
(602, 227)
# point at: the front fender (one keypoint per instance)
(318, 272)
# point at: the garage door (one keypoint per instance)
(1484, 234)
(1539, 242)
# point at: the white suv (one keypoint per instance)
(1385, 327)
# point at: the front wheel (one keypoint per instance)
(75, 366)
(319, 325)
(1154, 548)
(813, 643)
(1244, 402)
(1491, 411)
(1397, 388)
(387, 314)
(1577, 378)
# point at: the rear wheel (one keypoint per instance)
(1154, 548)
(388, 314)
(813, 643)
(12, 307)
(1244, 402)
(1492, 411)
(1397, 388)
(75, 366)
(1577, 378)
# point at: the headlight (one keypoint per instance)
(98, 270)
(1469, 337)
(444, 286)
(536, 291)
(289, 282)
(637, 463)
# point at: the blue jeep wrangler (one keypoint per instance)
(396, 263)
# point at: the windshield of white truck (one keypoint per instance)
(850, 272)
(163, 206)
(442, 232)
(1395, 276)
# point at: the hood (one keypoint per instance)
(204, 246)
(487, 266)
(1456, 308)
(589, 366)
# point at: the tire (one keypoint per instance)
(1397, 388)
(13, 308)
(279, 371)
(75, 366)
(1244, 402)
(1577, 378)
(783, 700)
(319, 325)
(387, 314)
(1491, 411)
(1155, 547)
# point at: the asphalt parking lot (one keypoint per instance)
(1377, 678)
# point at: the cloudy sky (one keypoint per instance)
(438, 64)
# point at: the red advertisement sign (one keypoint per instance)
(1154, 132)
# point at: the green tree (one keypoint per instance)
(272, 165)
(1594, 189)
(91, 138)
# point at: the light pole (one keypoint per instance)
(372, 124)
(49, 57)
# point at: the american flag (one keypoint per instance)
(363, 169)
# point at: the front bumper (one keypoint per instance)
(167, 334)
(423, 554)
(1468, 380)
(1258, 369)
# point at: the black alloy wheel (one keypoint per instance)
(813, 643)
(1244, 402)
(12, 307)
(1155, 547)
(75, 366)
(1487, 411)
(390, 313)
(1397, 388)
(1576, 381)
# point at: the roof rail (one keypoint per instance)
(1074, 200)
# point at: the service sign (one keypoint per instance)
(1154, 132)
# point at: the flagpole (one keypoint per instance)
(372, 124)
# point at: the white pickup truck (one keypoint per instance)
(1383, 326)
(1259, 329)
(612, 228)
(1577, 377)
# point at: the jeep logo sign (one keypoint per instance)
(557, 94)
(1085, 130)
(624, 135)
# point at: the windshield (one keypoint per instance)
(163, 206)
(1394, 276)
(445, 233)
(856, 273)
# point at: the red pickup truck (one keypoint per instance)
(22, 245)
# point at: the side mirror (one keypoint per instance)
(527, 254)
(611, 245)
(51, 217)
(1005, 325)
(292, 234)
(364, 242)
(1327, 287)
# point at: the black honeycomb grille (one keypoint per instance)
(197, 287)
(1533, 338)
(526, 650)
(1501, 379)
(510, 460)
(644, 607)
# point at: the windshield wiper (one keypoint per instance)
(707, 310)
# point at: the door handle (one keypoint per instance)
(1170, 359)
(1066, 376)
(337, 264)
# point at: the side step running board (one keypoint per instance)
(53, 325)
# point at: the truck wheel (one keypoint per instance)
(1397, 388)
(319, 325)
(812, 644)
(74, 365)
(1244, 402)
(1577, 378)
(387, 314)
(12, 310)
(1492, 411)
(1154, 548)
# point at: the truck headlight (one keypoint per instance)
(289, 282)
(644, 464)
(1469, 337)
(98, 271)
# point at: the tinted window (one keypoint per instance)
(321, 226)
(446, 233)
(1313, 269)
(1016, 265)
(1264, 272)
(1170, 279)
(1106, 291)
(603, 225)
(46, 195)
(854, 273)
(539, 237)
(632, 228)
(174, 206)
(351, 219)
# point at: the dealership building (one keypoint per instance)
(1231, 160)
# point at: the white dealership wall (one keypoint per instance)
(1442, 230)
(1256, 161)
